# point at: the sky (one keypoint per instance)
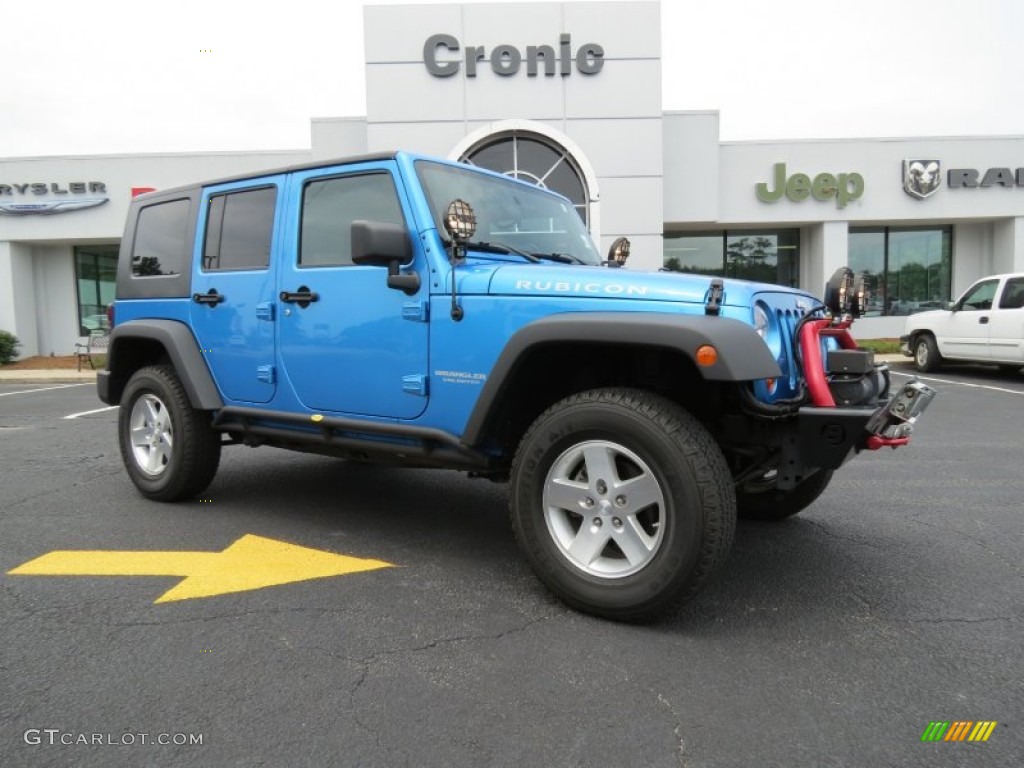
(126, 76)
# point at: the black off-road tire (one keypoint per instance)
(650, 440)
(926, 353)
(772, 505)
(189, 464)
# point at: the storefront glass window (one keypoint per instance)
(701, 254)
(96, 273)
(767, 256)
(909, 269)
(866, 257)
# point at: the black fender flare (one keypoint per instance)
(183, 350)
(742, 353)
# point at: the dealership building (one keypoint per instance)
(567, 95)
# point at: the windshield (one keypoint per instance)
(509, 213)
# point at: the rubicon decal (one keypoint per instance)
(564, 286)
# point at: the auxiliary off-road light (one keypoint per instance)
(460, 221)
(618, 252)
(839, 292)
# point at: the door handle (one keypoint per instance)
(983, 320)
(211, 299)
(303, 297)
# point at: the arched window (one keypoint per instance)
(534, 158)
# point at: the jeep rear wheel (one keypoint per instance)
(622, 503)
(168, 447)
(762, 500)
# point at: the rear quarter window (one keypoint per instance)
(161, 239)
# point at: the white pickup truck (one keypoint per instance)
(985, 325)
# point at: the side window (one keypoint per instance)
(980, 296)
(1013, 294)
(239, 230)
(159, 247)
(329, 206)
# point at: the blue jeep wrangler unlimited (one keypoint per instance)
(402, 309)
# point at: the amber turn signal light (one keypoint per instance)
(706, 355)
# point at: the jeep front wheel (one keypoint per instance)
(622, 503)
(168, 447)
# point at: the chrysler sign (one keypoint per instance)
(35, 199)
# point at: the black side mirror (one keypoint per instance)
(378, 244)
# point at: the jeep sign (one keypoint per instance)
(844, 187)
(507, 60)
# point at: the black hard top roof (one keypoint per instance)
(172, 191)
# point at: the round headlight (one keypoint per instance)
(760, 321)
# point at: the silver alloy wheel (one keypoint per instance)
(152, 435)
(921, 353)
(604, 508)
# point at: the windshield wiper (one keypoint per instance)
(502, 248)
(561, 258)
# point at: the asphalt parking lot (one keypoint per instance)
(832, 639)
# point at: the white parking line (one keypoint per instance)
(45, 389)
(95, 410)
(959, 383)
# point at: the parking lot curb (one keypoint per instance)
(47, 375)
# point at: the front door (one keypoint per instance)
(964, 333)
(1006, 328)
(349, 344)
(232, 309)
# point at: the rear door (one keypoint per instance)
(232, 309)
(1006, 327)
(348, 343)
(963, 334)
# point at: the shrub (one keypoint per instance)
(8, 347)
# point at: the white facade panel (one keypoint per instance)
(624, 89)
(603, 141)
(489, 97)
(56, 299)
(515, 24)
(691, 160)
(429, 138)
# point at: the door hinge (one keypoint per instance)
(265, 311)
(416, 310)
(266, 373)
(415, 384)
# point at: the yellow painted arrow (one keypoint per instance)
(252, 562)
